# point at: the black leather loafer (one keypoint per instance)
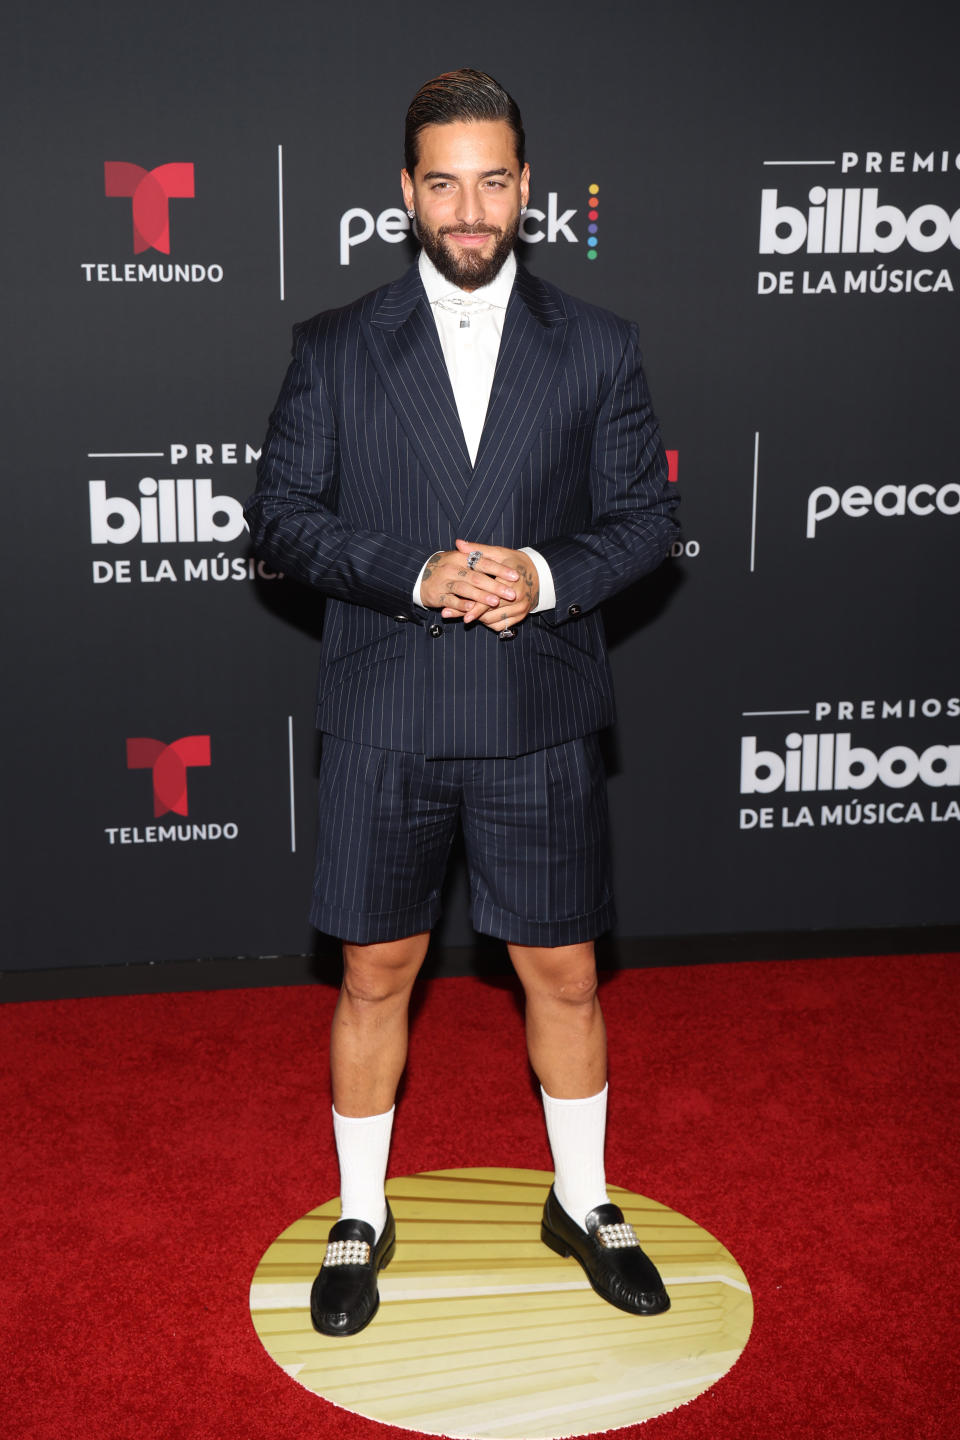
(344, 1297)
(610, 1254)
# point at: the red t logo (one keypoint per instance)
(151, 192)
(169, 764)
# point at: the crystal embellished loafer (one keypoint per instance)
(610, 1254)
(344, 1297)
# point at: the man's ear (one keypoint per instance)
(406, 185)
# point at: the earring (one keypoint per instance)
(523, 209)
(411, 213)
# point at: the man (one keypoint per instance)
(465, 462)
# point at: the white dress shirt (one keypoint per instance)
(470, 325)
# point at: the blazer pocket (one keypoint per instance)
(571, 422)
(580, 635)
(578, 433)
(585, 663)
(375, 652)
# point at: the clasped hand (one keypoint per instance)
(499, 591)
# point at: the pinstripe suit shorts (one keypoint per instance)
(535, 828)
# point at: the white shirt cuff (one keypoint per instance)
(416, 588)
(548, 595)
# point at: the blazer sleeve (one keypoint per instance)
(293, 512)
(632, 525)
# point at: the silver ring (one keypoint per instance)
(473, 558)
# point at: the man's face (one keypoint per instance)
(467, 191)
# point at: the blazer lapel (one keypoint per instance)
(531, 349)
(402, 337)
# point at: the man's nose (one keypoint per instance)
(470, 208)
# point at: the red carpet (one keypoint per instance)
(801, 1111)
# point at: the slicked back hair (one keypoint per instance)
(459, 95)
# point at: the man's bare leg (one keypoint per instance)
(368, 1050)
(566, 1038)
(368, 1039)
(567, 1045)
(566, 1041)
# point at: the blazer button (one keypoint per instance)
(574, 611)
(401, 617)
(436, 631)
(507, 634)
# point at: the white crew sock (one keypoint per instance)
(363, 1143)
(576, 1130)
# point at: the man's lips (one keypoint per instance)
(470, 241)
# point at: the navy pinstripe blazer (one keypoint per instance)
(364, 473)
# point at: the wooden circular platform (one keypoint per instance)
(484, 1332)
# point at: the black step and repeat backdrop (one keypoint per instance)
(773, 196)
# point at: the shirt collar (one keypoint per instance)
(496, 293)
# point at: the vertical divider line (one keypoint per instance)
(293, 816)
(280, 217)
(753, 521)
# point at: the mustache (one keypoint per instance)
(469, 230)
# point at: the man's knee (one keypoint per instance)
(579, 989)
(374, 974)
(566, 974)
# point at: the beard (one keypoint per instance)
(470, 269)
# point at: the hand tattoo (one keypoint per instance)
(528, 578)
(431, 565)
